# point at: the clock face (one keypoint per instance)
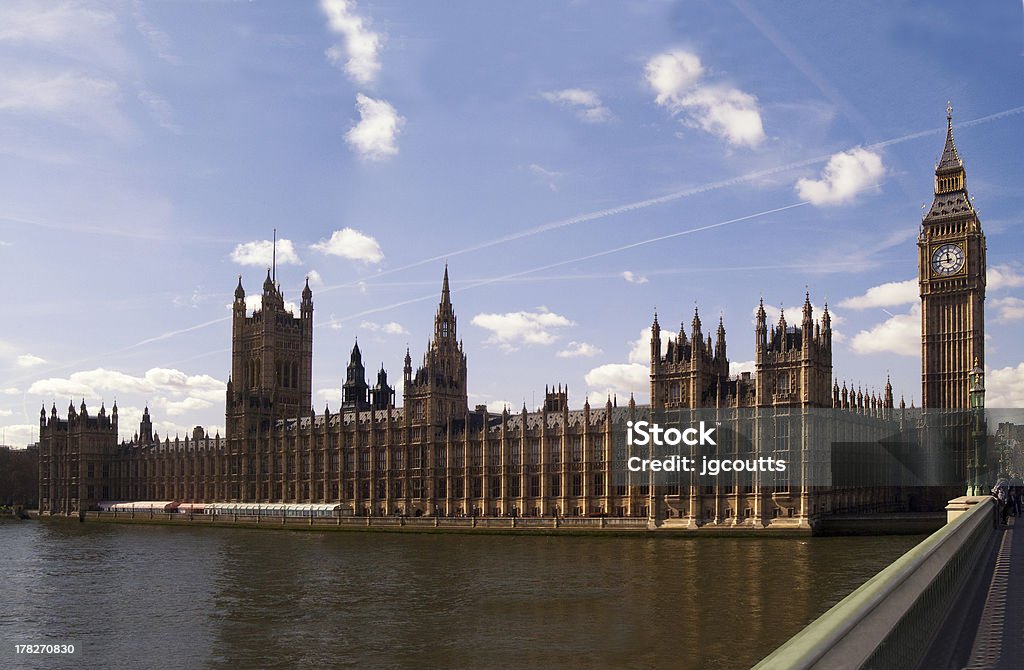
(947, 260)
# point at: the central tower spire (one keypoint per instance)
(438, 389)
(444, 321)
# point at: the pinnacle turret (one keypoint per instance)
(950, 159)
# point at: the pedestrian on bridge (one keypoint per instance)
(1001, 492)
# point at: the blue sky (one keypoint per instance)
(577, 164)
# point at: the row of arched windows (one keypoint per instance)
(951, 183)
(287, 374)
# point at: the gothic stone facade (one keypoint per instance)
(435, 455)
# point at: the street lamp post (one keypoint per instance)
(976, 450)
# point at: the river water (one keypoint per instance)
(156, 597)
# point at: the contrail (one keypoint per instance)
(804, 66)
(175, 333)
(657, 272)
(966, 124)
(669, 197)
(600, 214)
(578, 259)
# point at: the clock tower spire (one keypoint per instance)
(951, 276)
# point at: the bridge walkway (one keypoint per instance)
(985, 630)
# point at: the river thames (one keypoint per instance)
(156, 597)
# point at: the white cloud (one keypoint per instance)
(69, 26)
(640, 351)
(193, 301)
(894, 294)
(620, 379)
(21, 434)
(161, 111)
(315, 280)
(847, 174)
(573, 96)
(632, 278)
(390, 328)
(723, 111)
(156, 382)
(541, 171)
(671, 75)
(10, 390)
(29, 361)
(587, 104)
(50, 94)
(330, 395)
(76, 31)
(513, 329)
(738, 367)
(899, 334)
(549, 176)
(889, 294)
(1004, 387)
(578, 349)
(159, 40)
(82, 39)
(6, 412)
(728, 113)
(1003, 276)
(179, 407)
(70, 98)
(498, 406)
(261, 253)
(640, 348)
(1010, 309)
(358, 56)
(375, 136)
(352, 244)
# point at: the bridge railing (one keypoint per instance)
(890, 620)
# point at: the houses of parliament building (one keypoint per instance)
(436, 455)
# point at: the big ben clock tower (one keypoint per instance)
(951, 273)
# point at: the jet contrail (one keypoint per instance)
(669, 197)
(657, 272)
(578, 259)
(174, 333)
(592, 216)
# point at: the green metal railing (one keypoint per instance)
(890, 620)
